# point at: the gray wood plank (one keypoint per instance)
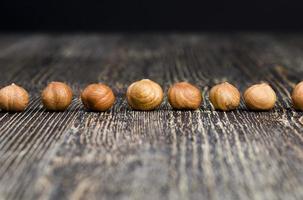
(162, 154)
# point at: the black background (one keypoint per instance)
(55, 15)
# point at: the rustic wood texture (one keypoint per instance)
(162, 154)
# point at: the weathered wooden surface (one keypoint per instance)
(163, 154)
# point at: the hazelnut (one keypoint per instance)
(297, 96)
(144, 95)
(224, 96)
(183, 95)
(260, 97)
(98, 97)
(13, 98)
(57, 96)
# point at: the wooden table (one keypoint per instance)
(162, 154)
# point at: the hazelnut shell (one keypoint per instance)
(13, 98)
(57, 96)
(297, 96)
(224, 96)
(144, 95)
(260, 97)
(98, 97)
(184, 95)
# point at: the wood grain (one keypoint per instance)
(162, 154)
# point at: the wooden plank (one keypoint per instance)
(162, 154)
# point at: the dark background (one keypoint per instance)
(55, 15)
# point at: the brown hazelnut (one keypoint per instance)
(13, 98)
(98, 97)
(297, 96)
(57, 96)
(184, 95)
(224, 96)
(260, 97)
(144, 95)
